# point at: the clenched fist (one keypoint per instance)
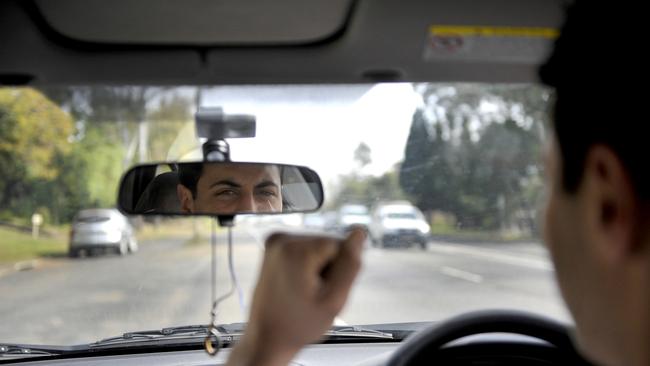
(304, 283)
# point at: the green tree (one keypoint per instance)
(99, 167)
(170, 115)
(58, 162)
(124, 114)
(367, 190)
(68, 193)
(34, 135)
(362, 155)
(424, 174)
(473, 151)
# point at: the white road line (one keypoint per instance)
(516, 260)
(463, 275)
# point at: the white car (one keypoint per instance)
(398, 224)
(101, 230)
(352, 215)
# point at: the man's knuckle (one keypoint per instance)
(275, 238)
(326, 245)
(293, 249)
(321, 242)
(354, 262)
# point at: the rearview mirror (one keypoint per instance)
(219, 188)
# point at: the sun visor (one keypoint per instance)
(196, 22)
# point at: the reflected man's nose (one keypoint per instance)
(247, 203)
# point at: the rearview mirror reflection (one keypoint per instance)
(219, 188)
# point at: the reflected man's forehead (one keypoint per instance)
(243, 173)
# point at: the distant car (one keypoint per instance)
(330, 219)
(314, 220)
(352, 215)
(101, 230)
(398, 224)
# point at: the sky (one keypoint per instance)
(321, 126)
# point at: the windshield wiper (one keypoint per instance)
(186, 331)
(357, 332)
(229, 333)
(193, 333)
(20, 351)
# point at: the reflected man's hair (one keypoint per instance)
(189, 174)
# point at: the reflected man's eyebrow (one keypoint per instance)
(231, 183)
(226, 182)
(266, 183)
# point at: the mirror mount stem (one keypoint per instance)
(226, 220)
(216, 150)
(213, 124)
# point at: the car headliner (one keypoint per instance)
(52, 42)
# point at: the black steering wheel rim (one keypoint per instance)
(480, 322)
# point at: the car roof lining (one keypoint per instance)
(377, 40)
(194, 22)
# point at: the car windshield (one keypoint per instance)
(401, 215)
(87, 219)
(468, 156)
(93, 215)
(354, 210)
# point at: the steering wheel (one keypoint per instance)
(422, 347)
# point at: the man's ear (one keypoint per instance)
(610, 203)
(186, 198)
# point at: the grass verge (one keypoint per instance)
(18, 246)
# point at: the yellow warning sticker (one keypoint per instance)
(524, 45)
(478, 31)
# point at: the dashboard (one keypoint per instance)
(485, 349)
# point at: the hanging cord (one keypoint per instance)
(234, 286)
(212, 343)
(213, 264)
(233, 275)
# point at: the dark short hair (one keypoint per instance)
(595, 63)
(189, 174)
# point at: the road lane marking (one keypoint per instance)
(460, 274)
(522, 261)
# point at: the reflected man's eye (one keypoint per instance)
(267, 194)
(226, 193)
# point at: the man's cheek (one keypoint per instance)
(560, 242)
(548, 224)
(554, 230)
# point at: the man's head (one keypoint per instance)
(228, 188)
(599, 189)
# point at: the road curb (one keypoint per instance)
(26, 265)
(19, 267)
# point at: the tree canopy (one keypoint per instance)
(473, 151)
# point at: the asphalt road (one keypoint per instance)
(167, 283)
